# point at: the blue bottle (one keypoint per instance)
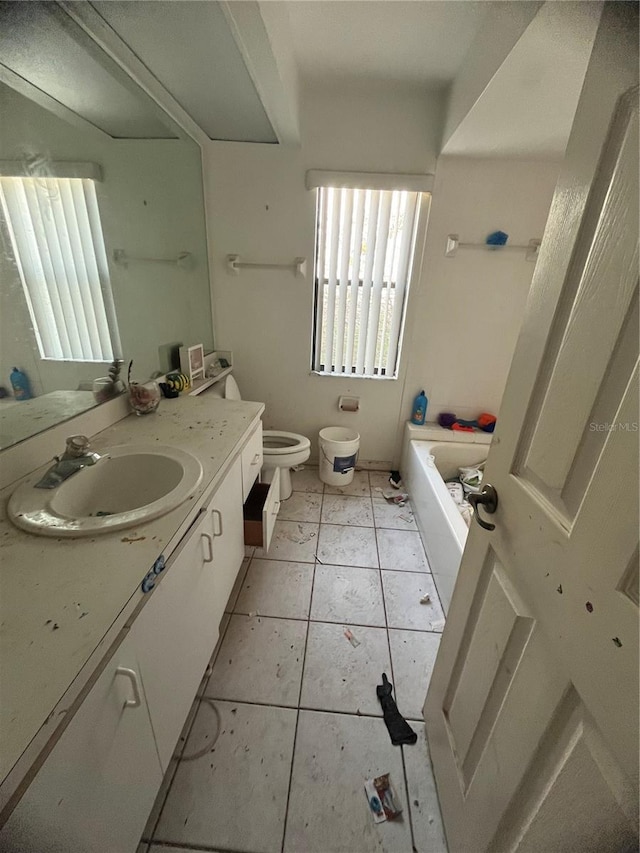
(419, 412)
(20, 385)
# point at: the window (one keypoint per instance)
(364, 249)
(56, 235)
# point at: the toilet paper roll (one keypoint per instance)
(349, 404)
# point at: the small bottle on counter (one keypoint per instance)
(20, 385)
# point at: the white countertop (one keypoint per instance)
(60, 597)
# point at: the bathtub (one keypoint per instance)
(441, 526)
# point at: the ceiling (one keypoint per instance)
(526, 109)
(239, 69)
(418, 43)
(45, 56)
(189, 48)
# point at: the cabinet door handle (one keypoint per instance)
(217, 514)
(276, 508)
(132, 675)
(207, 538)
(256, 458)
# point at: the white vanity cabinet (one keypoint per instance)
(177, 630)
(96, 788)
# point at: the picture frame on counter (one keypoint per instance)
(192, 361)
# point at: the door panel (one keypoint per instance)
(577, 360)
(501, 631)
(572, 767)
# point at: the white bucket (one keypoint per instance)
(338, 454)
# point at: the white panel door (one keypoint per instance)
(532, 710)
(95, 790)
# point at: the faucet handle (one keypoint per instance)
(77, 445)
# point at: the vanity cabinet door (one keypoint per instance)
(176, 632)
(96, 788)
(227, 522)
(252, 457)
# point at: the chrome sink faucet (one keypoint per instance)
(77, 455)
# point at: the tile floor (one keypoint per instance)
(290, 705)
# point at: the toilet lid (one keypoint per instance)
(231, 390)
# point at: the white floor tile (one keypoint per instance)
(344, 509)
(276, 588)
(328, 809)
(347, 546)
(423, 799)
(339, 677)
(413, 654)
(292, 540)
(347, 594)
(358, 487)
(167, 780)
(401, 550)
(393, 516)
(260, 660)
(235, 592)
(378, 480)
(301, 506)
(235, 795)
(402, 594)
(307, 480)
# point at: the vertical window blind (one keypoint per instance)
(364, 249)
(56, 236)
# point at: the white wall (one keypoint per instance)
(469, 308)
(259, 209)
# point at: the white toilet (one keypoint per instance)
(281, 450)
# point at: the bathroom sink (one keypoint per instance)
(129, 485)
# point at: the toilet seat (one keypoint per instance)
(283, 450)
(277, 443)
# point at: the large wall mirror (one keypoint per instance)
(103, 250)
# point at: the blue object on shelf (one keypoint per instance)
(497, 238)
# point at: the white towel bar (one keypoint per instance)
(234, 265)
(183, 260)
(454, 243)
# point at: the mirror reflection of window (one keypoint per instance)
(58, 246)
